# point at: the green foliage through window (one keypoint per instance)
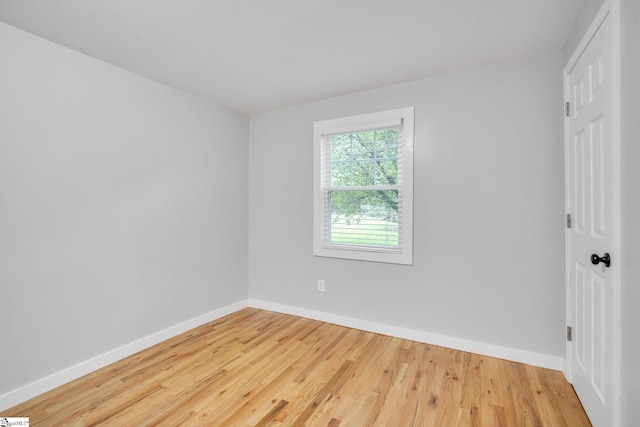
(364, 216)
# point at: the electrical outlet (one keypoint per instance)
(320, 285)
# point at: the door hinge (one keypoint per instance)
(568, 220)
(569, 333)
(567, 109)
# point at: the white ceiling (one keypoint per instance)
(257, 55)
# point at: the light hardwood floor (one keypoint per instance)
(258, 368)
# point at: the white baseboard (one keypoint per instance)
(57, 379)
(52, 381)
(501, 352)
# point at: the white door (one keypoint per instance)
(590, 168)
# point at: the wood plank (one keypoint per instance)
(260, 368)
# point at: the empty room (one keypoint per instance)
(320, 212)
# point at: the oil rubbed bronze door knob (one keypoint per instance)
(605, 259)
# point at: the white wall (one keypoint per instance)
(630, 134)
(123, 207)
(489, 248)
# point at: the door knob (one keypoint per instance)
(606, 259)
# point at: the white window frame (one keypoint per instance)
(365, 122)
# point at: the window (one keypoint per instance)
(363, 187)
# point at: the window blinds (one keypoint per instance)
(362, 177)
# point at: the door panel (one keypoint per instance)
(591, 206)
